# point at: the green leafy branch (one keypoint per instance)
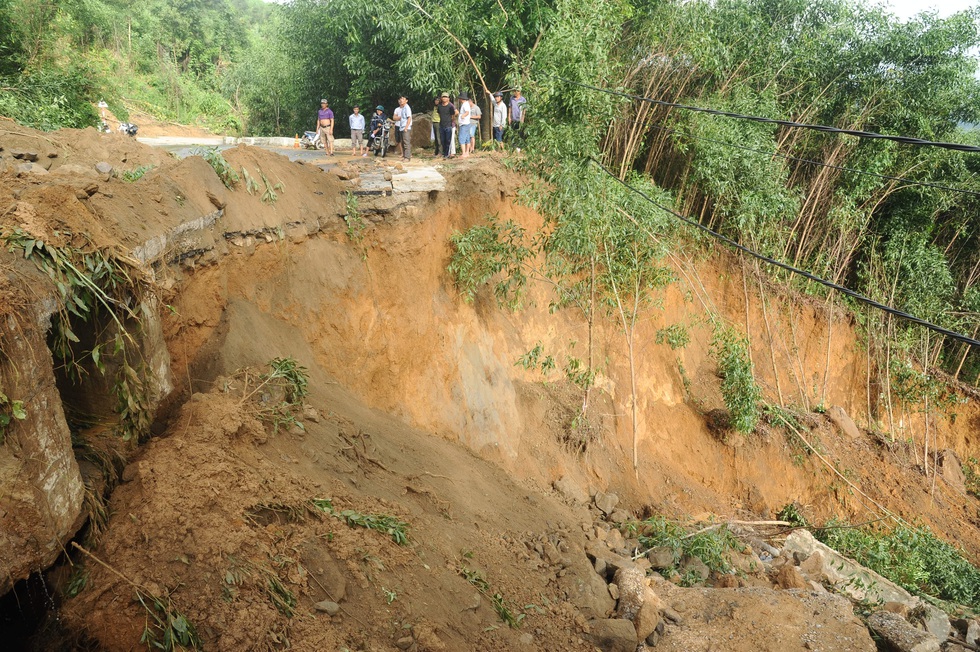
(481, 584)
(384, 523)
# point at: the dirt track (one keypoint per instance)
(416, 411)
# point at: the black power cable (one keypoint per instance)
(834, 286)
(905, 140)
(808, 161)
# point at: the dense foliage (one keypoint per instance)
(165, 57)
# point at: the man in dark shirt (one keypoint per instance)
(447, 117)
(377, 126)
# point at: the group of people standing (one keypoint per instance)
(446, 119)
(402, 118)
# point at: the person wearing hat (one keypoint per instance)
(357, 132)
(499, 119)
(447, 118)
(465, 118)
(377, 125)
(324, 124)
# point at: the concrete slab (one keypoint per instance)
(418, 179)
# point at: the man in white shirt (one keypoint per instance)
(357, 132)
(465, 117)
(404, 115)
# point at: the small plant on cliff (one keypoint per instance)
(492, 252)
(102, 290)
(218, 163)
(738, 387)
(481, 584)
(384, 523)
(131, 176)
(711, 544)
(675, 336)
(9, 410)
(294, 376)
(352, 217)
(972, 476)
(166, 628)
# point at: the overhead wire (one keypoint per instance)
(795, 270)
(905, 140)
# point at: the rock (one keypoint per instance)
(427, 639)
(661, 558)
(694, 565)
(24, 155)
(900, 635)
(648, 617)
(570, 491)
(972, 635)
(597, 550)
(632, 591)
(614, 592)
(310, 413)
(404, 642)
(615, 540)
(620, 516)
(844, 423)
(588, 593)
(789, 577)
(75, 170)
(613, 635)
(327, 607)
(825, 565)
(419, 180)
(933, 619)
(951, 470)
(727, 581)
(600, 566)
(103, 168)
(899, 608)
(606, 502)
(341, 173)
(30, 168)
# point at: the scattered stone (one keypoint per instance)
(327, 607)
(899, 608)
(387, 176)
(600, 566)
(844, 423)
(614, 591)
(24, 155)
(727, 581)
(661, 558)
(972, 632)
(648, 617)
(613, 635)
(620, 516)
(615, 540)
(30, 168)
(310, 413)
(632, 591)
(342, 174)
(789, 577)
(570, 491)
(75, 170)
(597, 550)
(103, 168)
(404, 642)
(900, 635)
(606, 502)
(427, 639)
(52, 154)
(588, 593)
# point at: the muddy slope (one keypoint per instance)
(416, 411)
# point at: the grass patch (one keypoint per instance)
(131, 176)
(711, 545)
(384, 523)
(738, 387)
(166, 628)
(481, 584)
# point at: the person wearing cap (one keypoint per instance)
(517, 103)
(499, 119)
(356, 121)
(377, 124)
(447, 118)
(324, 124)
(465, 118)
